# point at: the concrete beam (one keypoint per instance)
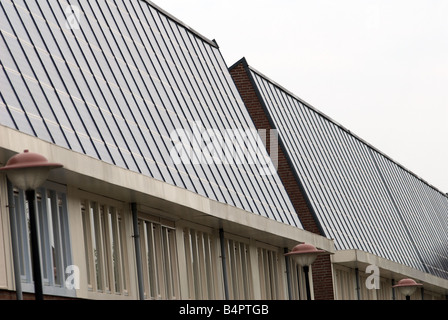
(96, 176)
(389, 269)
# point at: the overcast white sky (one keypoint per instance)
(378, 67)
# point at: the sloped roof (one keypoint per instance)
(114, 80)
(361, 198)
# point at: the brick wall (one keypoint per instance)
(322, 275)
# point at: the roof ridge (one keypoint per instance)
(180, 22)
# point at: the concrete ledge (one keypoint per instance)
(96, 176)
(390, 269)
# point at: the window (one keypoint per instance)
(201, 260)
(298, 286)
(345, 283)
(385, 290)
(159, 260)
(53, 235)
(238, 269)
(269, 271)
(104, 242)
(366, 293)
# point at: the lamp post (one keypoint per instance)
(304, 255)
(407, 287)
(28, 171)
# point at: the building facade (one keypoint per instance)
(378, 213)
(87, 213)
(127, 98)
(167, 190)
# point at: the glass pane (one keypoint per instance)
(105, 246)
(87, 243)
(96, 242)
(150, 256)
(22, 223)
(121, 238)
(114, 247)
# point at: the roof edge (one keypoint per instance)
(308, 105)
(360, 258)
(241, 61)
(213, 43)
(282, 146)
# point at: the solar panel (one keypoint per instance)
(362, 199)
(116, 80)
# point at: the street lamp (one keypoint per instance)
(304, 255)
(28, 171)
(407, 287)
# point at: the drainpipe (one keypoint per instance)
(224, 266)
(358, 294)
(288, 274)
(393, 289)
(15, 249)
(138, 255)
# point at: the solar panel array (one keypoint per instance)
(361, 198)
(114, 79)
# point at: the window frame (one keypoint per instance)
(161, 278)
(55, 247)
(270, 269)
(345, 283)
(239, 266)
(103, 225)
(202, 263)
